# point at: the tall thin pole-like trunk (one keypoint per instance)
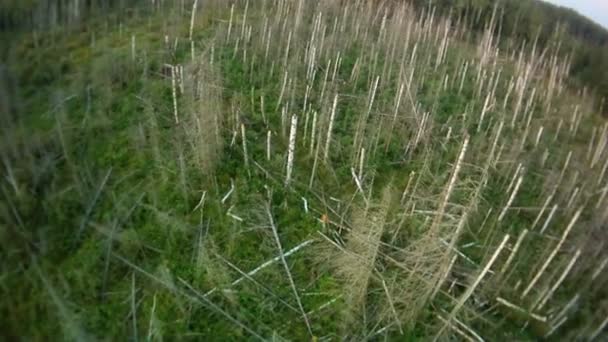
(292, 147)
(174, 92)
(330, 128)
(192, 17)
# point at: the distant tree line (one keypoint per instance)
(44, 14)
(529, 20)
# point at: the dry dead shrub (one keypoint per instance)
(203, 124)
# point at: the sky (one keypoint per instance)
(597, 10)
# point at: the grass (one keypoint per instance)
(412, 156)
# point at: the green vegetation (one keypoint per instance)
(295, 170)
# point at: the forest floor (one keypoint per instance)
(287, 172)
